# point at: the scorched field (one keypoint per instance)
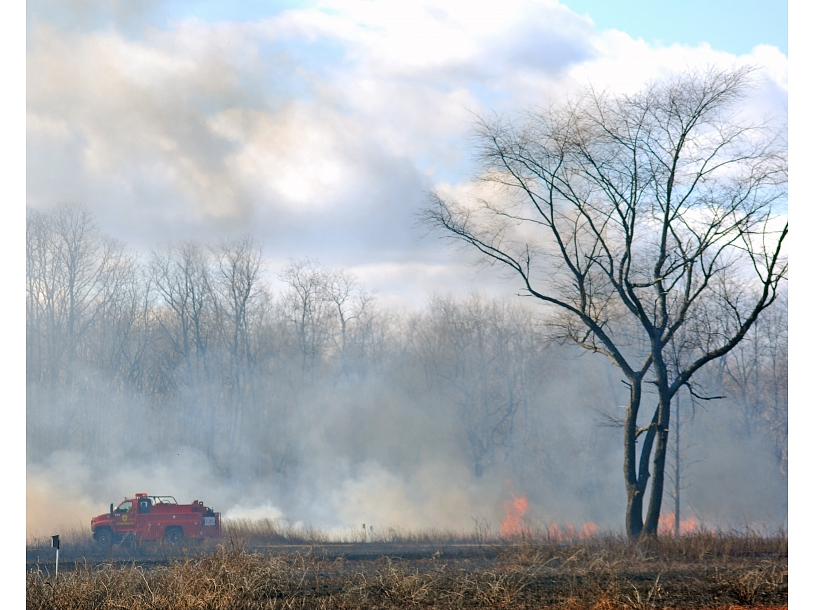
(258, 566)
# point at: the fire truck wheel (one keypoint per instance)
(173, 535)
(104, 538)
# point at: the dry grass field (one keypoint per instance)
(260, 565)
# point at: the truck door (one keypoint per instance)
(144, 523)
(124, 517)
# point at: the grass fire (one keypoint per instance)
(266, 564)
(514, 511)
(390, 304)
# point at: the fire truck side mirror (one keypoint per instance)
(111, 510)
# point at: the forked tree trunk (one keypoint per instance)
(656, 492)
(662, 434)
(635, 469)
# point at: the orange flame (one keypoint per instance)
(569, 532)
(514, 511)
(588, 529)
(665, 525)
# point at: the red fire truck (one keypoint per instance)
(145, 517)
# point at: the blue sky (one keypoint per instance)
(735, 26)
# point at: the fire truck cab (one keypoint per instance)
(145, 517)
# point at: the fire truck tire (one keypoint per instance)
(104, 538)
(173, 535)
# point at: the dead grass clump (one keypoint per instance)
(226, 577)
(501, 589)
(636, 599)
(398, 585)
(710, 571)
(223, 579)
(703, 545)
(265, 532)
(84, 587)
(747, 586)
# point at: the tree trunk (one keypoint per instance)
(634, 505)
(664, 412)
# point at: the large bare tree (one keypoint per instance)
(651, 223)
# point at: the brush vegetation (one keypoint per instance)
(262, 565)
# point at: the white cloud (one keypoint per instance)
(346, 113)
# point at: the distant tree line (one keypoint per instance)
(190, 347)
